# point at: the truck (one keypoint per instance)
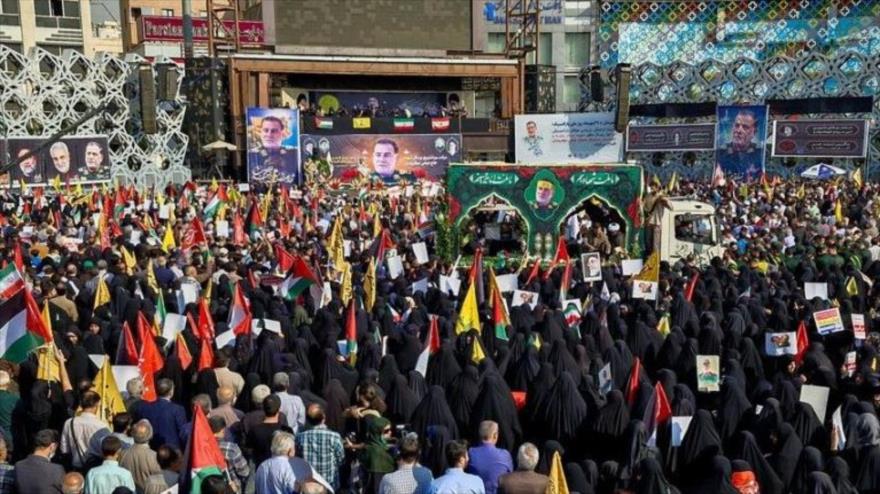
(683, 227)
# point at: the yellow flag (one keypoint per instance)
(838, 211)
(477, 354)
(801, 192)
(469, 317)
(672, 186)
(857, 178)
(370, 286)
(168, 240)
(47, 319)
(663, 325)
(852, 288)
(345, 286)
(102, 294)
(651, 270)
(336, 244)
(56, 183)
(79, 189)
(130, 261)
(151, 277)
(360, 122)
(111, 399)
(377, 225)
(48, 368)
(206, 293)
(214, 185)
(557, 483)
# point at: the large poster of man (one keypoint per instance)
(91, 159)
(387, 157)
(739, 147)
(273, 145)
(30, 162)
(567, 138)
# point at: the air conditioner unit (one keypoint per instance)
(459, 99)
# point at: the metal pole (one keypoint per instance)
(187, 32)
(216, 115)
(210, 8)
(237, 33)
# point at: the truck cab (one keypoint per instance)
(686, 227)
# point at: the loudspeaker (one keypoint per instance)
(148, 100)
(621, 117)
(167, 82)
(540, 89)
(597, 90)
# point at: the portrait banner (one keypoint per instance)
(273, 145)
(388, 157)
(708, 373)
(740, 140)
(567, 138)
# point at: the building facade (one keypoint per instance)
(567, 36)
(53, 25)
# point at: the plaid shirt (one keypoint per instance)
(236, 464)
(408, 479)
(7, 478)
(322, 449)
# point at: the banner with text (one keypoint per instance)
(820, 138)
(672, 137)
(385, 156)
(567, 138)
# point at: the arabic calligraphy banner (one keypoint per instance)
(673, 137)
(567, 138)
(820, 138)
(387, 156)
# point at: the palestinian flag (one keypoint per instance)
(22, 328)
(10, 282)
(240, 315)
(300, 278)
(213, 206)
(202, 458)
(432, 345)
(351, 334)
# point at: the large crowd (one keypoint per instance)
(300, 365)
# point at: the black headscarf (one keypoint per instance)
(463, 393)
(749, 451)
(496, 403)
(786, 453)
(337, 401)
(562, 412)
(700, 445)
(401, 401)
(434, 411)
(649, 478)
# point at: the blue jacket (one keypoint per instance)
(168, 420)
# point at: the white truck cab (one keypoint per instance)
(686, 227)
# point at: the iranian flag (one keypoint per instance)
(203, 457)
(10, 282)
(300, 278)
(572, 312)
(404, 124)
(22, 328)
(240, 315)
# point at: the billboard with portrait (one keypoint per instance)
(73, 160)
(556, 138)
(417, 103)
(740, 140)
(273, 145)
(386, 156)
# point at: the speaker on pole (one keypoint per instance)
(621, 116)
(597, 92)
(148, 99)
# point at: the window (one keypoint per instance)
(496, 43)
(56, 8)
(571, 92)
(167, 12)
(694, 228)
(577, 49)
(545, 50)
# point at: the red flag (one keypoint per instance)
(476, 275)
(351, 332)
(18, 257)
(691, 284)
(285, 259)
(433, 335)
(632, 387)
(194, 235)
(206, 324)
(34, 318)
(239, 238)
(127, 353)
(182, 352)
(150, 360)
(560, 257)
(240, 316)
(206, 355)
(803, 342)
(535, 272)
(662, 410)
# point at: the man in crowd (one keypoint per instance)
(237, 468)
(275, 474)
(410, 477)
(78, 431)
(107, 477)
(488, 461)
(167, 418)
(524, 480)
(36, 473)
(139, 459)
(321, 447)
(455, 480)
